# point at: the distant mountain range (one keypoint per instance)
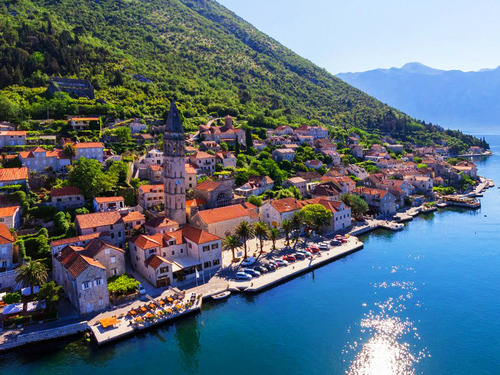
(454, 99)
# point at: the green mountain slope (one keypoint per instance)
(212, 61)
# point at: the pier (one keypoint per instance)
(296, 268)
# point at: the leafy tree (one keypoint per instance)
(358, 206)
(61, 222)
(88, 176)
(12, 298)
(123, 133)
(248, 138)
(32, 273)
(231, 242)
(244, 231)
(296, 223)
(257, 201)
(122, 284)
(315, 216)
(51, 293)
(261, 231)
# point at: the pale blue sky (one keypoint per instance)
(358, 35)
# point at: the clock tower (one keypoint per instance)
(174, 170)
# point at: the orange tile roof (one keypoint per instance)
(286, 205)
(95, 246)
(108, 199)
(370, 191)
(13, 174)
(155, 261)
(155, 167)
(196, 202)
(190, 169)
(88, 145)
(61, 192)
(201, 155)
(208, 185)
(133, 216)
(75, 262)
(196, 235)
(85, 118)
(98, 219)
(223, 213)
(147, 242)
(148, 188)
(8, 211)
(76, 239)
(161, 222)
(5, 235)
(13, 132)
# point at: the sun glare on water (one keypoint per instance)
(383, 347)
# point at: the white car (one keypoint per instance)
(281, 262)
(248, 261)
(243, 276)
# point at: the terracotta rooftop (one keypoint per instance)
(75, 262)
(133, 216)
(88, 145)
(155, 261)
(161, 222)
(13, 174)
(98, 219)
(147, 241)
(208, 185)
(95, 246)
(5, 235)
(286, 205)
(223, 213)
(201, 155)
(149, 188)
(12, 133)
(82, 238)
(196, 235)
(108, 199)
(69, 190)
(8, 211)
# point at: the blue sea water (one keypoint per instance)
(422, 301)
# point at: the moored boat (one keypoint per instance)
(221, 295)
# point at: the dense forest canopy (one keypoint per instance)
(213, 62)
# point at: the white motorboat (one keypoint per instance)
(221, 295)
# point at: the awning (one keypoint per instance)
(184, 262)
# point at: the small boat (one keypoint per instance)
(221, 295)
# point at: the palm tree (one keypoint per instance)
(296, 225)
(244, 231)
(32, 273)
(287, 227)
(274, 234)
(261, 231)
(69, 150)
(231, 242)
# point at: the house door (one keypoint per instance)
(90, 308)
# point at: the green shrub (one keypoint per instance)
(12, 298)
(121, 285)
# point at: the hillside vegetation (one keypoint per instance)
(212, 61)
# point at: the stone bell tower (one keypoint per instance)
(174, 170)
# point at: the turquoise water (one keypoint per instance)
(421, 301)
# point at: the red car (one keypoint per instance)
(313, 250)
(289, 258)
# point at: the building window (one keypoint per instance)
(173, 252)
(164, 269)
(86, 285)
(113, 259)
(207, 264)
(206, 248)
(106, 251)
(98, 282)
(114, 271)
(215, 262)
(215, 246)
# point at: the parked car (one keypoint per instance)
(324, 247)
(306, 253)
(248, 262)
(261, 269)
(141, 289)
(336, 242)
(289, 258)
(299, 256)
(243, 276)
(281, 262)
(271, 266)
(251, 272)
(313, 250)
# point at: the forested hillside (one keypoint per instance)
(212, 61)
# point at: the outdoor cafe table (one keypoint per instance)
(109, 321)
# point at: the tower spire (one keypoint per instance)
(174, 119)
